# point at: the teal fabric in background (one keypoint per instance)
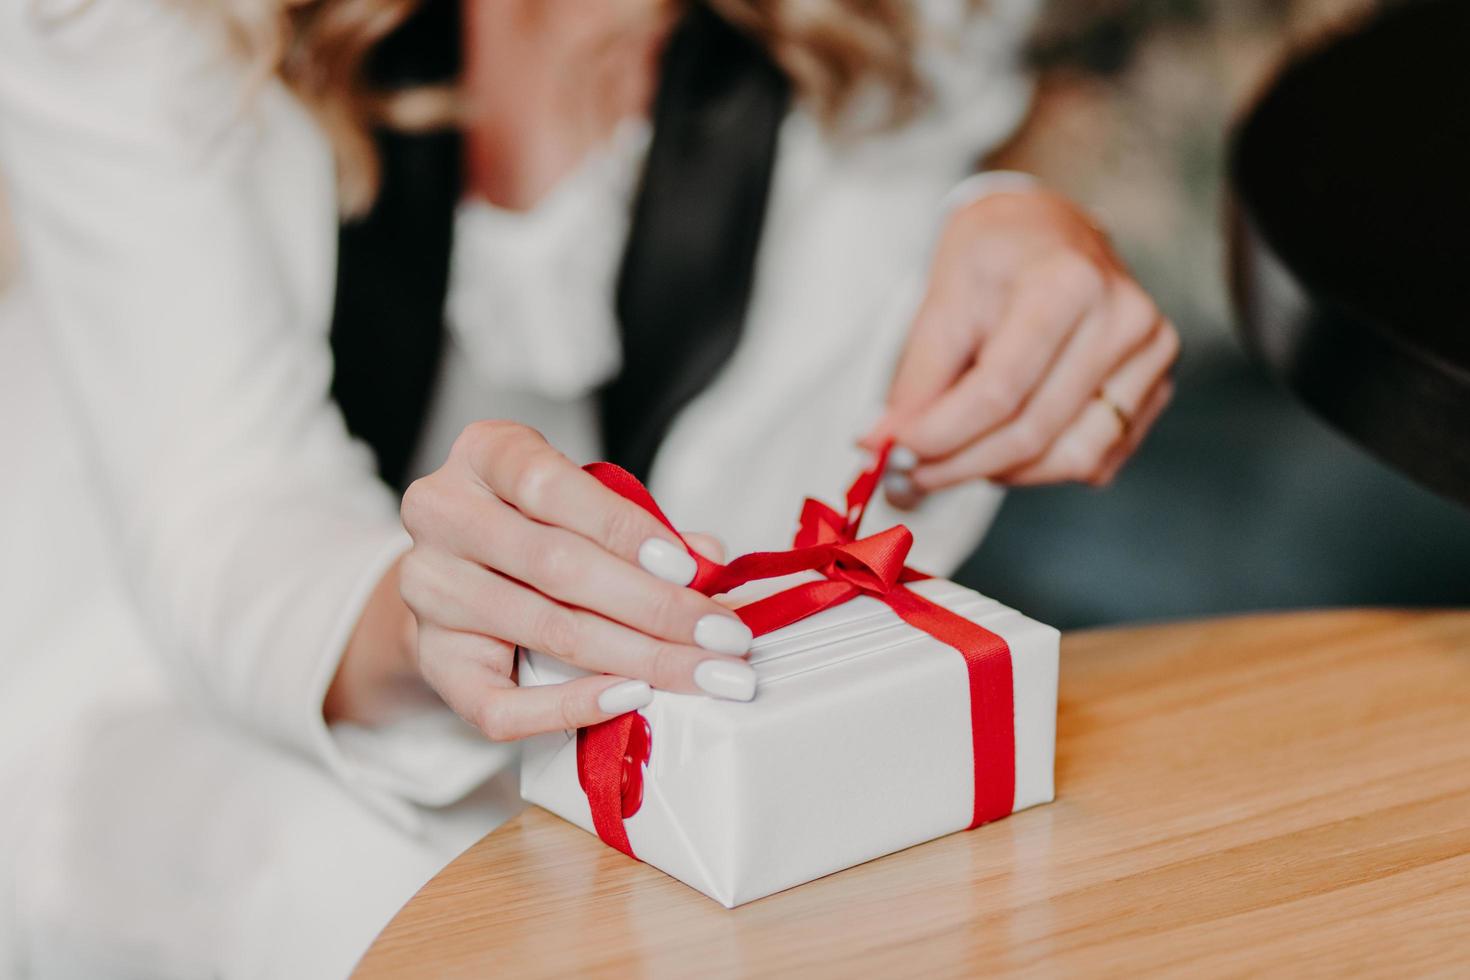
(1240, 501)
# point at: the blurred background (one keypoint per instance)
(1240, 500)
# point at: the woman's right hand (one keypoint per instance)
(515, 545)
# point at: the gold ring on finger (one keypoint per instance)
(1125, 421)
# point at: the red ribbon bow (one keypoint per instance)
(611, 755)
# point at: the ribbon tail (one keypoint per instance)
(600, 751)
(784, 608)
(862, 490)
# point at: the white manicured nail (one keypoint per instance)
(898, 485)
(667, 560)
(723, 679)
(902, 459)
(625, 697)
(722, 634)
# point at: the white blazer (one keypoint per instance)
(187, 533)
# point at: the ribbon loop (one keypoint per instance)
(819, 524)
(873, 564)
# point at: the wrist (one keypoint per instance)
(988, 183)
(1025, 196)
(378, 674)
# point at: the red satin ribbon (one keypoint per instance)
(611, 754)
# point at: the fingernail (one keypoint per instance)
(898, 485)
(667, 560)
(722, 634)
(723, 679)
(902, 459)
(625, 697)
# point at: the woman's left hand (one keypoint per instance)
(1035, 357)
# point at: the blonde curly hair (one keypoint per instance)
(829, 48)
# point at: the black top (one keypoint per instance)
(689, 265)
(687, 270)
(393, 265)
(1351, 236)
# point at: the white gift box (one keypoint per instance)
(857, 744)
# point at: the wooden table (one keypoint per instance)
(1287, 791)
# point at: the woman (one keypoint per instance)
(189, 491)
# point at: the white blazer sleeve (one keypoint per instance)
(188, 310)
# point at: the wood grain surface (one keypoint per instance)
(1284, 793)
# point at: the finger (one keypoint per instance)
(1105, 340)
(1076, 454)
(520, 468)
(461, 666)
(1085, 450)
(1153, 407)
(941, 345)
(1140, 372)
(573, 570)
(900, 490)
(1028, 435)
(490, 701)
(517, 465)
(469, 598)
(506, 714)
(707, 545)
(1049, 304)
(1142, 387)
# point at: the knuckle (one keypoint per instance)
(426, 506)
(569, 711)
(554, 564)
(997, 399)
(666, 609)
(1028, 441)
(499, 442)
(416, 505)
(480, 438)
(623, 530)
(442, 506)
(411, 578)
(494, 721)
(423, 588)
(559, 635)
(666, 666)
(1135, 309)
(535, 475)
(1132, 335)
(1076, 277)
(1170, 342)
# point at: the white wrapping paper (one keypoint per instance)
(857, 745)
